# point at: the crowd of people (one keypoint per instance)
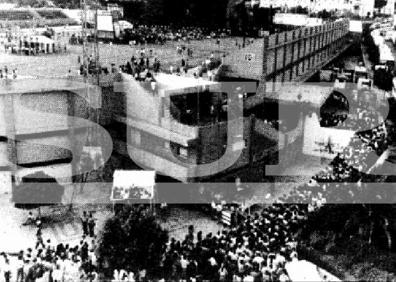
(159, 34)
(54, 262)
(155, 34)
(143, 65)
(255, 248)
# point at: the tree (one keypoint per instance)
(37, 190)
(379, 4)
(132, 240)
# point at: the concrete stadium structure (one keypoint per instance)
(177, 127)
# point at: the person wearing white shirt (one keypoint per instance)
(258, 259)
(7, 270)
(183, 263)
(248, 278)
(212, 261)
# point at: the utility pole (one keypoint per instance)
(91, 74)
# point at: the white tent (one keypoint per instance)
(127, 181)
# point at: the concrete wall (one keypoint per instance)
(273, 53)
(35, 128)
(61, 172)
(292, 46)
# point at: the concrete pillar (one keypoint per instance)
(9, 116)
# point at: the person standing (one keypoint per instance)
(147, 63)
(20, 271)
(7, 270)
(91, 225)
(84, 222)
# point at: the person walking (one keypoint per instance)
(39, 239)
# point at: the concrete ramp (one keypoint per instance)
(246, 63)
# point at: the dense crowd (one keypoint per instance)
(155, 34)
(57, 263)
(255, 248)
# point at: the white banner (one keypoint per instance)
(105, 22)
(356, 26)
(133, 185)
(296, 20)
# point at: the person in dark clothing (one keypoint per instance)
(91, 226)
(128, 68)
(84, 221)
(39, 240)
(84, 252)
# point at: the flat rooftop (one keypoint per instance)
(312, 94)
(34, 85)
